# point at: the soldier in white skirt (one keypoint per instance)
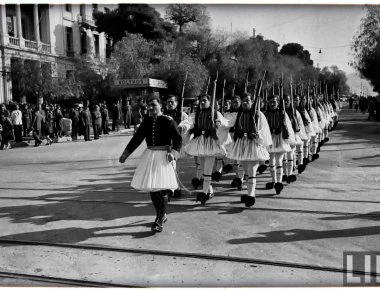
(251, 139)
(309, 130)
(282, 136)
(295, 146)
(204, 141)
(155, 172)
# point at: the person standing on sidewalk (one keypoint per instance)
(74, 116)
(96, 122)
(27, 118)
(127, 114)
(105, 119)
(16, 117)
(86, 121)
(116, 115)
(155, 172)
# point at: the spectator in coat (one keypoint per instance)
(86, 122)
(16, 117)
(96, 122)
(105, 119)
(49, 125)
(127, 110)
(27, 118)
(74, 116)
(116, 115)
(6, 133)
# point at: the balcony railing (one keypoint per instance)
(29, 44)
(14, 41)
(46, 47)
(86, 20)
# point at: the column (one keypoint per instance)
(36, 23)
(18, 18)
(3, 24)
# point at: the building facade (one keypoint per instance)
(53, 36)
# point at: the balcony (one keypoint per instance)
(28, 44)
(86, 21)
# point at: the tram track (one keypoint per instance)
(187, 255)
(60, 281)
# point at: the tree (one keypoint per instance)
(366, 47)
(295, 49)
(135, 19)
(334, 78)
(182, 14)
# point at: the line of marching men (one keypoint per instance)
(285, 133)
(279, 131)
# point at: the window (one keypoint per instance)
(68, 7)
(96, 43)
(69, 41)
(83, 42)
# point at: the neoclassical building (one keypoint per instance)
(54, 36)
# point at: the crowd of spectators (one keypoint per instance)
(44, 122)
(370, 105)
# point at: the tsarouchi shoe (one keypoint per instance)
(291, 178)
(269, 185)
(250, 201)
(278, 187)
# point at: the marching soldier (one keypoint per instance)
(251, 139)
(282, 136)
(155, 172)
(205, 143)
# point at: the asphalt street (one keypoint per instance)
(77, 193)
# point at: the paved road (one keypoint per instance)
(77, 193)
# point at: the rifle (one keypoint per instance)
(308, 96)
(285, 132)
(246, 83)
(297, 125)
(257, 105)
(222, 108)
(182, 98)
(208, 83)
(233, 91)
(213, 101)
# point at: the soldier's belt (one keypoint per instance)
(159, 148)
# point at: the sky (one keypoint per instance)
(329, 28)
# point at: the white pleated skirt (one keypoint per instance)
(205, 146)
(248, 150)
(309, 129)
(298, 140)
(154, 172)
(279, 144)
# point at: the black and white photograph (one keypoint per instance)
(189, 144)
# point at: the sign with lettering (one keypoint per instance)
(140, 83)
